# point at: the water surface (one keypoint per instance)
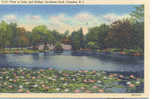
(75, 61)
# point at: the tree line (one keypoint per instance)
(13, 36)
(127, 33)
(123, 33)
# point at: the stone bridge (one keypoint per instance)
(51, 47)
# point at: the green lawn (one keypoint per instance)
(20, 51)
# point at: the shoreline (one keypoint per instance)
(45, 68)
(128, 52)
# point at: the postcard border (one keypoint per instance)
(104, 95)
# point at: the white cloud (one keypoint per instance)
(84, 17)
(63, 22)
(28, 27)
(10, 18)
(111, 17)
(32, 20)
(60, 23)
(58, 20)
(87, 19)
(31, 17)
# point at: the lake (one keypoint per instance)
(69, 60)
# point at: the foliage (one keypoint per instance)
(121, 34)
(13, 36)
(138, 27)
(58, 47)
(19, 51)
(92, 45)
(138, 14)
(98, 34)
(4, 35)
(77, 39)
(45, 47)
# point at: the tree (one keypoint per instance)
(138, 35)
(97, 34)
(43, 34)
(57, 36)
(138, 14)
(38, 35)
(92, 34)
(92, 45)
(13, 34)
(30, 38)
(138, 27)
(58, 47)
(66, 34)
(77, 40)
(4, 35)
(120, 34)
(22, 38)
(40, 31)
(49, 38)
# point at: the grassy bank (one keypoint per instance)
(20, 51)
(23, 80)
(131, 52)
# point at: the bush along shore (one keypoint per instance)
(24, 80)
(130, 52)
(21, 51)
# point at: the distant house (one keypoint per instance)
(66, 41)
(66, 46)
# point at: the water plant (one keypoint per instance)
(24, 80)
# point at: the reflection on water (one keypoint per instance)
(75, 61)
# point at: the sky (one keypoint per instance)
(64, 17)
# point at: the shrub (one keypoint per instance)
(58, 47)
